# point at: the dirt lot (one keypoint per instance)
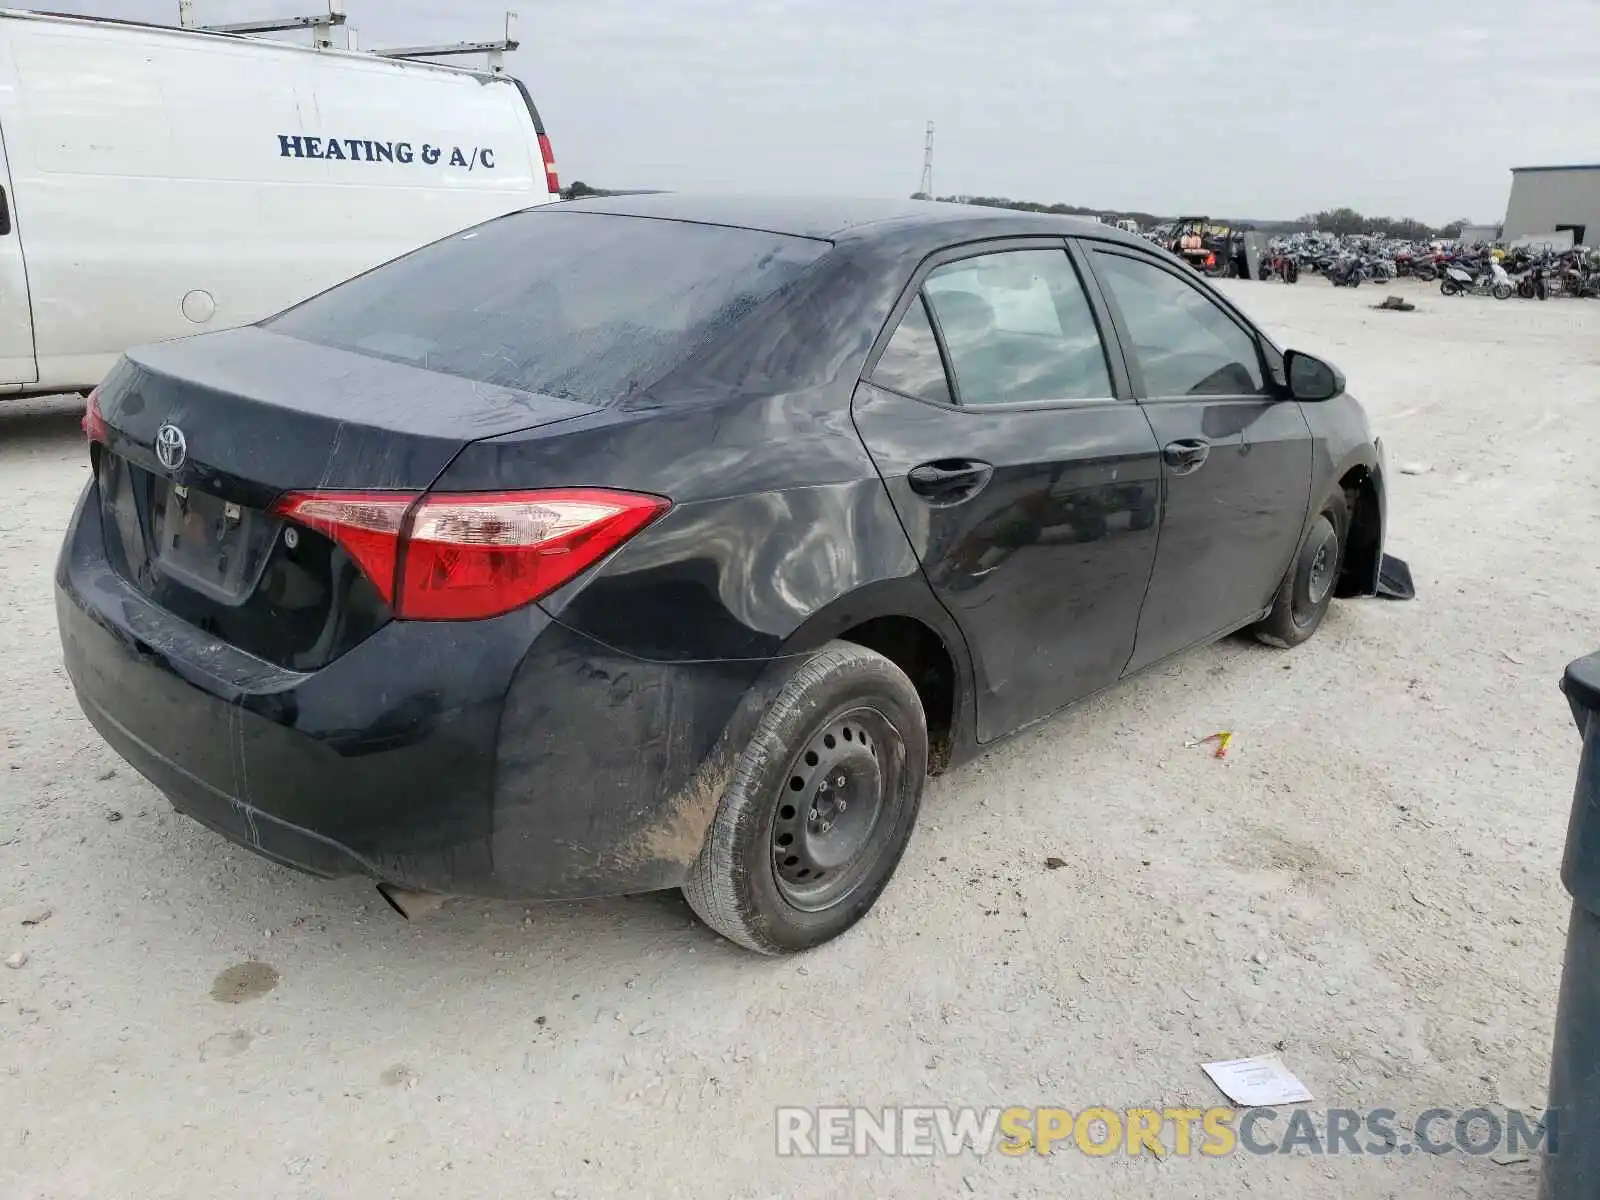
(1368, 881)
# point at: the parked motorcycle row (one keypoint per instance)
(1460, 270)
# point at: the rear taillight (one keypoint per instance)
(464, 557)
(94, 425)
(366, 524)
(551, 179)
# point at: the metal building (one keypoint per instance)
(1548, 199)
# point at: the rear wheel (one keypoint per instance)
(1307, 590)
(819, 808)
(1449, 288)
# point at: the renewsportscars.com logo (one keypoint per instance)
(1210, 1132)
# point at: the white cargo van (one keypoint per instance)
(158, 182)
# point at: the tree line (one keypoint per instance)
(1348, 220)
(1335, 220)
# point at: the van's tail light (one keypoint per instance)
(94, 425)
(462, 557)
(551, 179)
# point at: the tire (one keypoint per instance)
(1525, 289)
(1449, 288)
(1291, 273)
(1502, 291)
(744, 884)
(1307, 589)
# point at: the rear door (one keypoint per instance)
(18, 364)
(1025, 476)
(1236, 459)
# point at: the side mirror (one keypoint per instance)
(1311, 379)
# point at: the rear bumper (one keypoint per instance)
(511, 757)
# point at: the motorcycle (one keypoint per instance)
(1278, 265)
(1543, 281)
(1458, 281)
(1347, 272)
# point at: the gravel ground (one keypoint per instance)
(1368, 882)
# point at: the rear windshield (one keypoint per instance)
(584, 305)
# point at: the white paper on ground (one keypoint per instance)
(1258, 1082)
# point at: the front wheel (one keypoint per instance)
(1502, 291)
(819, 807)
(1307, 590)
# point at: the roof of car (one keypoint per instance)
(835, 218)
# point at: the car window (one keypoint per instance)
(1187, 346)
(589, 306)
(911, 362)
(1018, 328)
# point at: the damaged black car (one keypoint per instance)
(665, 542)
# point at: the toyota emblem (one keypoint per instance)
(171, 447)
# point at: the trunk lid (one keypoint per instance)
(262, 414)
(187, 514)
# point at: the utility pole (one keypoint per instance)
(927, 164)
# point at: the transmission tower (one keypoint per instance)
(927, 164)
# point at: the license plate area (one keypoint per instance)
(207, 543)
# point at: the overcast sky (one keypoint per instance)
(1261, 108)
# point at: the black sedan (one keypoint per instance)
(660, 542)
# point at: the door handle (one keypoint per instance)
(949, 480)
(1186, 455)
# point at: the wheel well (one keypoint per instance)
(921, 654)
(1359, 575)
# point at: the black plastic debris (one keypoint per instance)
(1396, 304)
(1394, 579)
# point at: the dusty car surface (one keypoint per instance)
(659, 541)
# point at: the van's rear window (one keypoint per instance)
(585, 305)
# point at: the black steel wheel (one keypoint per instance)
(819, 807)
(1308, 587)
(1315, 572)
(837, 803)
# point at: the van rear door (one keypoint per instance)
(18, 365)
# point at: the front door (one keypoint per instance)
(17, 363)
(1236, 458)
(1026, 478)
